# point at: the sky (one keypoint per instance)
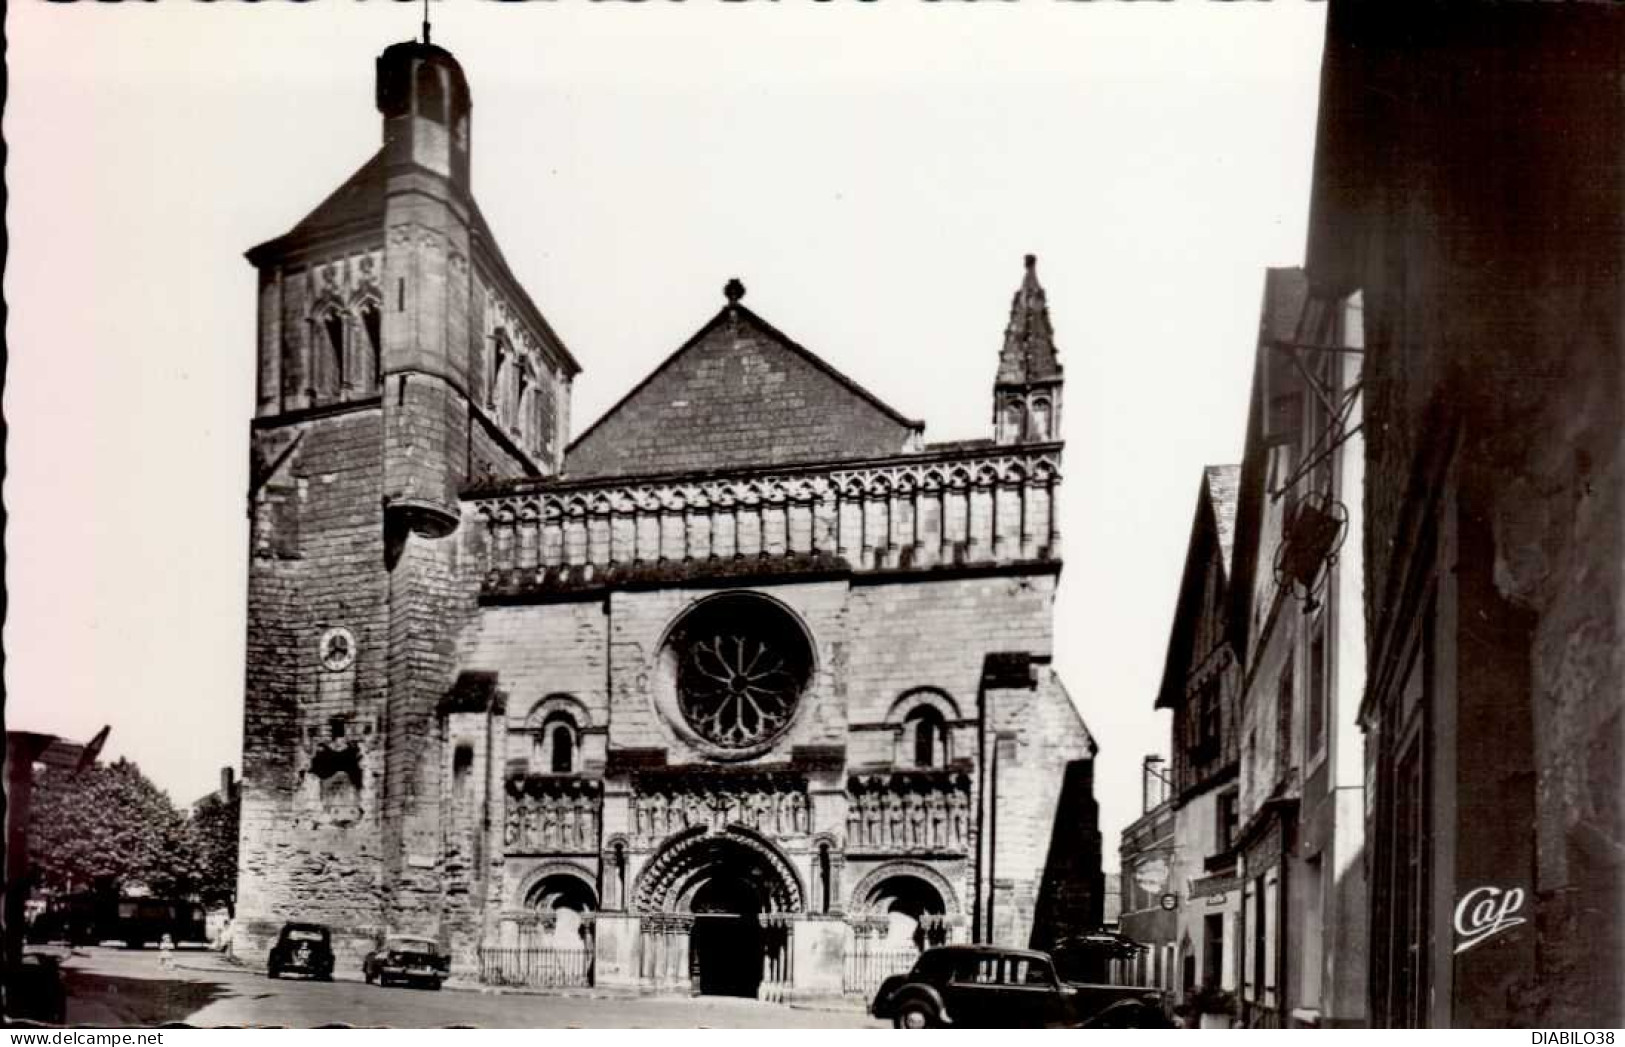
(873, 172)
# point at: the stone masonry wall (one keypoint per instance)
(310, 846)
(936, 633)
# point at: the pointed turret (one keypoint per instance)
(1027, 390)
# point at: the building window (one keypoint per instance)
(928, 735)
(559, 743)
(372, 324)
(431, 93)
(1260, 938)
(825, 869)
(1041, 419)
(1228, 817)
(1203, 732)
(736, 666)
(563, 758)
(462, 763)
(1012, 421)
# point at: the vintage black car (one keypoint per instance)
(403, 959)
(987, 986)
(302, 948)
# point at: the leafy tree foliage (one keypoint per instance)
(214, 835)
(110, 828)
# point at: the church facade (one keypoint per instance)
(747, 690)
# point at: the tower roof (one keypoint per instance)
(1029, 353)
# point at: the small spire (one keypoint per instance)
(733, 290)
(1029, 342)
(425, 23)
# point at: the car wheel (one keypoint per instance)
(914, 1015)
(271, 972)
(435, 984)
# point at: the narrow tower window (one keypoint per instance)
(372, 325)
(1041, 419)
(563, 750)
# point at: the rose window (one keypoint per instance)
(740, 664)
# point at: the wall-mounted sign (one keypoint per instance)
(1151, 875)
(1484, 912)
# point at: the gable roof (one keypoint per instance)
(738, 393)
(1212, 529)
(1285, 292)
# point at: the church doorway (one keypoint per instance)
(717, 909)
(725, 947)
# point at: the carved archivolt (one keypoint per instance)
(866, 893)
(545, 871)
(694, 855)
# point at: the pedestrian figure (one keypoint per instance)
(166, 952)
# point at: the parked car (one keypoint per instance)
(988, 986)
(34, 990)
(406, 959)
(302, 948)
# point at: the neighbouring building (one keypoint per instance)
(747, 690)
(1200, 686)
(1148, 900)
(1295, 617)
(1469, 186)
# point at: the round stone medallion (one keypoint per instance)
(337, 649)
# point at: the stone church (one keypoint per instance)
(747, 690)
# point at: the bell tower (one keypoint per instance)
(400, 361)
(1027, 390)
(423, 96)
(424, 99)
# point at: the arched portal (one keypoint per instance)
(906, 904)
(725, 946)
(714, 908)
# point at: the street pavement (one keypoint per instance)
(110, 987)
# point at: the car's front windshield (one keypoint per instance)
(305, 934)
(409, 945)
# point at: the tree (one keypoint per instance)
(110, 828)
(214, 835)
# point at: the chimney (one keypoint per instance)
(1153, 783)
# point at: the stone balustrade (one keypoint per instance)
(982, 505)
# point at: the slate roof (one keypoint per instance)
(739, 393)
(1216, 516)
(1029, 340)
(358, 202)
